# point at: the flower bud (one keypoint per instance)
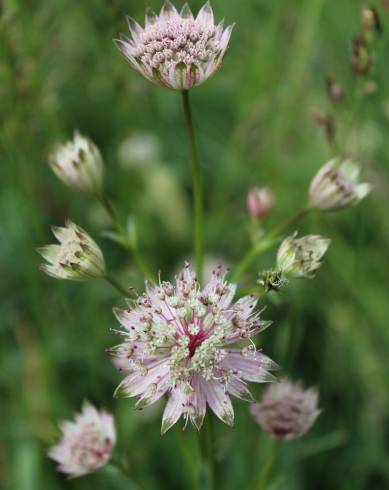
(260, 202)
(76, 258)
(334, 89)
(286, 411)
(301, 257)
(361, 57)
(86, 444)
(370, 20)
(336, 186)
(79, 164)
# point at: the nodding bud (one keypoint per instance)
(302, 257)
(361, 57)
(77, 257)
(79, 164)
(260, 201)
(370, 21)
(337, 186)
(334, 89)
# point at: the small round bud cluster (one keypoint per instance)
(286, 411)
(302, 257)
(260, 201)
(77, 257)
(79, 164)
(175, 49)
(336, 186)
(176, 341)
(86, 444)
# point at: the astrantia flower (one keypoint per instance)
(177, 340)
(86, 443)
(336, 186)
(302, 257)
(286, 410)
(77, 257)
(174, 49)
(260, 202)
(79, 164)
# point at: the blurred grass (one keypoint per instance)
(60, 71)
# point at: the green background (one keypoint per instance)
(60, 71)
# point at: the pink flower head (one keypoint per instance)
(177, 341)
(86, 443)
(260, 201)
(286, 410)
(174, 49)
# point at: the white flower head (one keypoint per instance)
(336, 186)
(86, 444)
(286, 410)
(79, 164)
(176, 341)
(176, 50)
(77, 257)
(302, 257)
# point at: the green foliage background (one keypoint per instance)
(60, 71)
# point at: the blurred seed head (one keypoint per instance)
(334, 89)
(286, 411)
(370, 21)
(327, 122)
(302, 257)
(174, 49)
(77, 257)
(336, 186)
(361, 57)
(260, 201)
(86, 443)
(79, 164)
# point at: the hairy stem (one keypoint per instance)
(197, 187)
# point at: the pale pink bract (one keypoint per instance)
(174, 49)
(86, 443)
(176, 341)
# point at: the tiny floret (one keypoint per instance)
(176, 50)
(302, 257)
(86, 444)
(286, 410)
(260, 201)
(178, 339)
(336, 186)
(77, 257)
(79, 164)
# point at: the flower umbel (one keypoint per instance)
(286, 410)
(86, 443)
(336, 186)
(79, 164)
(77, 257)
(174, 49)
(301, 257)
(177, 340)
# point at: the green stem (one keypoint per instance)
(191, 467)
(124, 470)
(266, 469)
(266, 243)
(115, 284)
(197, 187)
(132, 245)
(206, 441)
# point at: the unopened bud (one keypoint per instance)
(334, 89)
(370, 20)
(79, 164)
(302, 257)
(286, 410)
(361, 58)
(260, 201)
(327, 123)
(273, 280)
(77, 257)
(336, 186)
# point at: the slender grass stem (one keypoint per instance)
(130, 245)
(115, 284)
(197, 187)
(188, 460)
(266, 243)
(266, 469)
